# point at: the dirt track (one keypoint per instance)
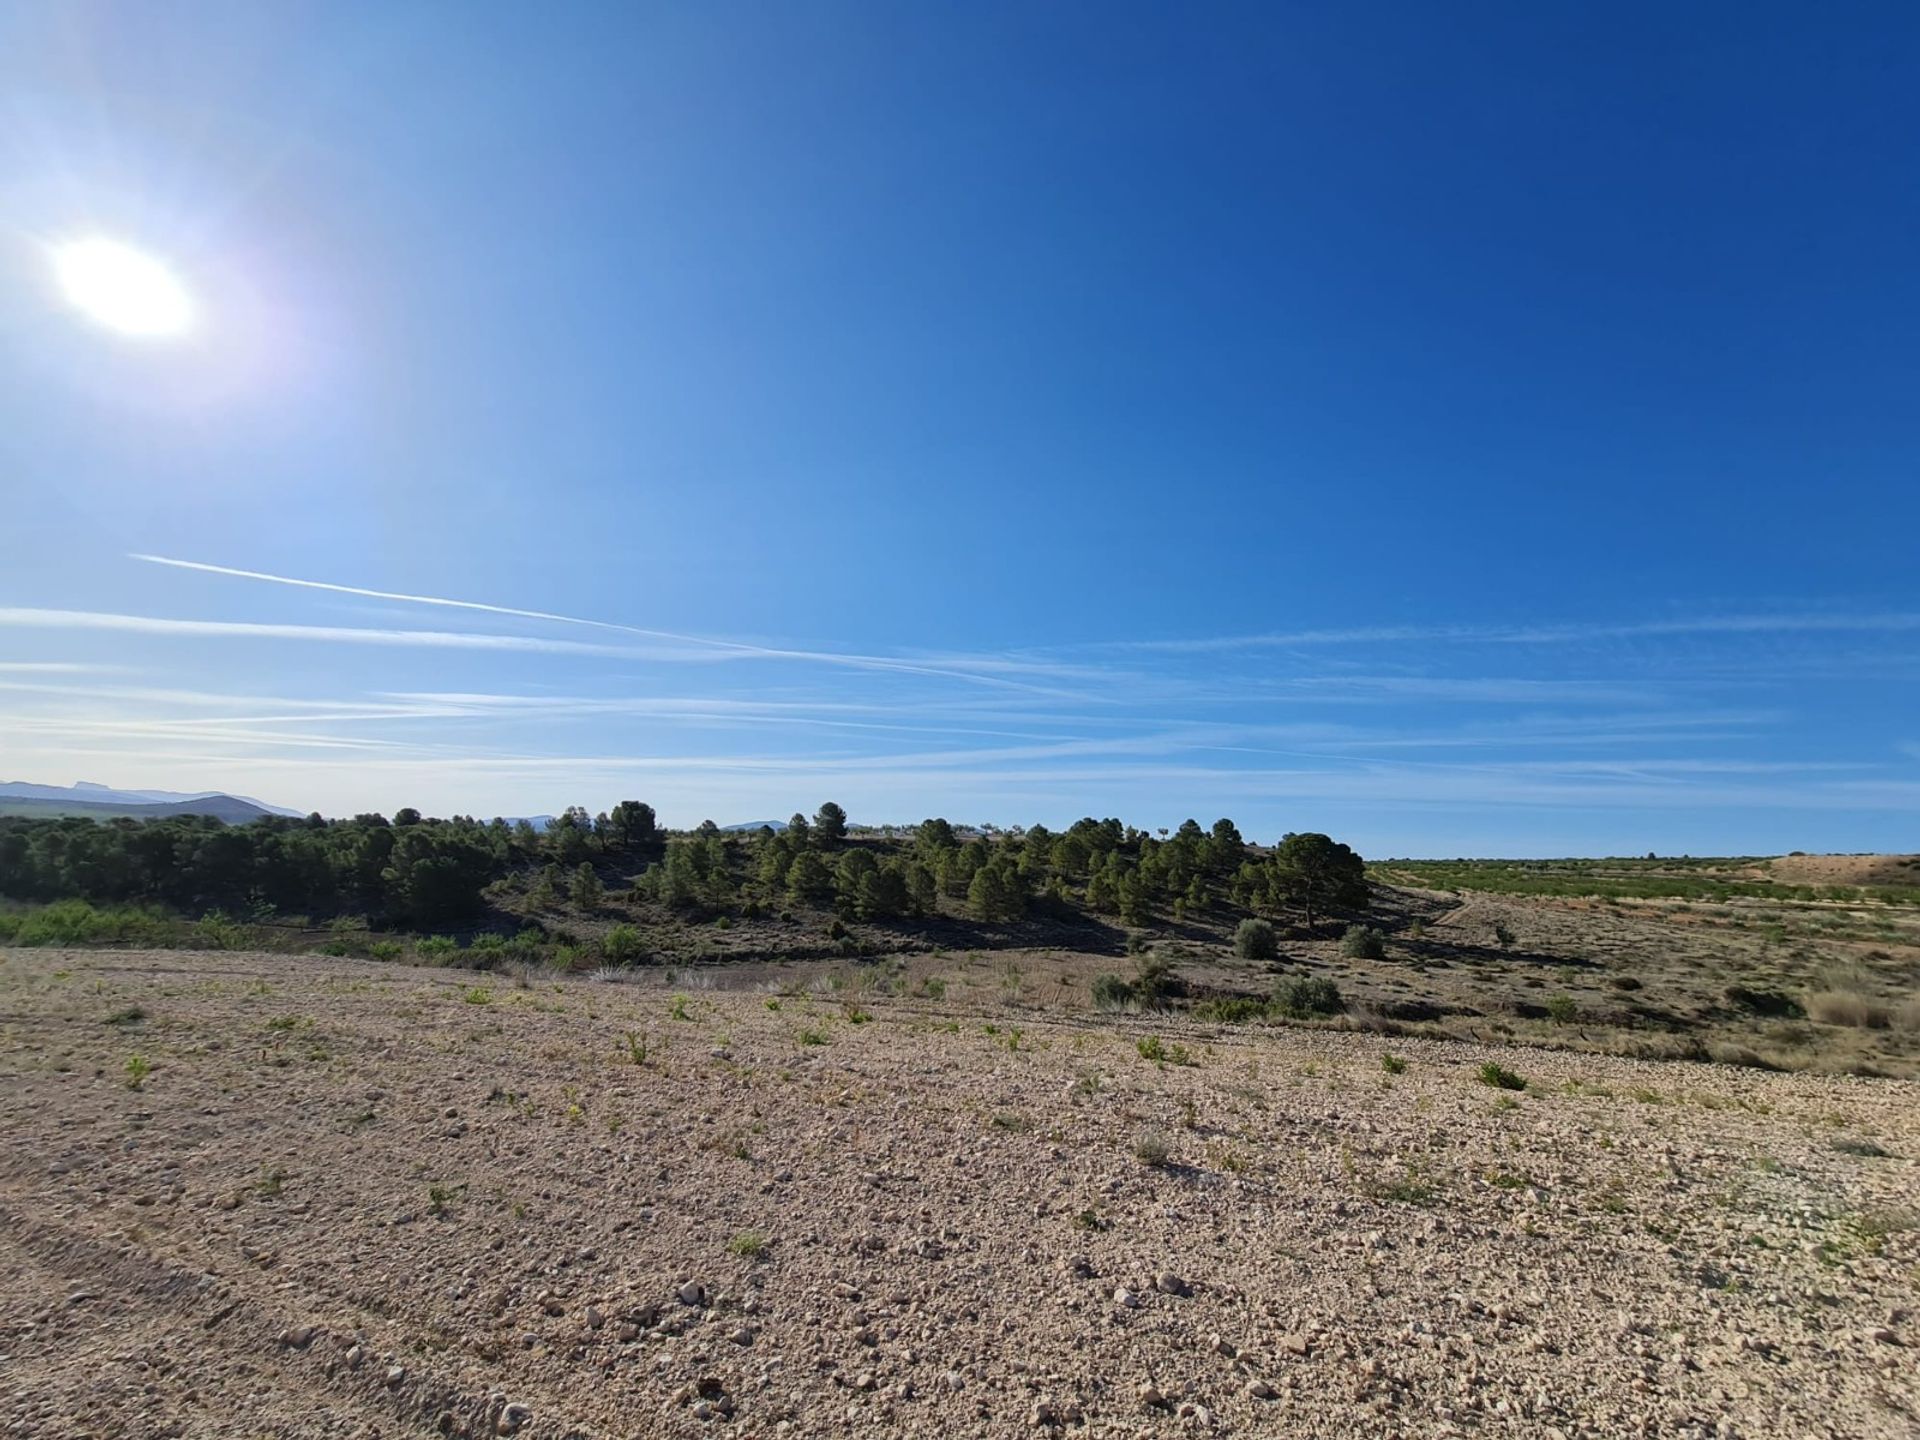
(352, 1199)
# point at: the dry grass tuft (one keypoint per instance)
(1849, 1007)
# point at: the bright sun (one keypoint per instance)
(122, 288)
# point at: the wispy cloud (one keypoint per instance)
(337, 634)
(1805, 623)
(973, 669)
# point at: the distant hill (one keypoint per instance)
(88, 790)
(101, 802)
(774, 825)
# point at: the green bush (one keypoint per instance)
(1308, 996)
(622, 946)
(1500, 1077)
(1363, 942)
(1111, 992)
(216, 931)
(1255, 939)
(1561, 1009)
(75, 922)
(437, 948)
(386, 950)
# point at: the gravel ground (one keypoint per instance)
(247, 1195)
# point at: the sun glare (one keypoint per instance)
(122, 288)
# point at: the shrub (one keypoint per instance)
(1152, 1150)
(437, 948)
(1363, 942)
(747, 1245)
(1503, 937)
(1154, 981)
(1561, 1009)
(1306, 996)
(1500, 1077)
(1393, 1064)
(386, 950)
(1111, 992)
(622, 946)
(1255, 940)
(1771, 1003)
(215, 931)
(75, 922)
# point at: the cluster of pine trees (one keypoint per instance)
(409, 871)
(1099, 865)
(415, 871)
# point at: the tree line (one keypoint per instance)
(412, 871)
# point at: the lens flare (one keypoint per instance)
(123, 288)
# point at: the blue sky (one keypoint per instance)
(1464, 431)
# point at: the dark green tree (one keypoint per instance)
(1318, 873)
(632, 823)
(829, 825)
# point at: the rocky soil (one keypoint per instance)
(247, 1195)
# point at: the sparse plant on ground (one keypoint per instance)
(1157, 1050)
(440, 1197)
(1393, 1064)
(1497, 1075)
(1152, 1150)
(1561, 1009)
(747, 1245)
(138, 1069)
(1866, 1149)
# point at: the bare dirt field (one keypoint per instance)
(272, 1195)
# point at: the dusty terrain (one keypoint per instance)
(1844, 869)
(272, 1195)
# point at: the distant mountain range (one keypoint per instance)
(104, 802)
(774, 825)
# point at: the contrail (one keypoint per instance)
(825, 657)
